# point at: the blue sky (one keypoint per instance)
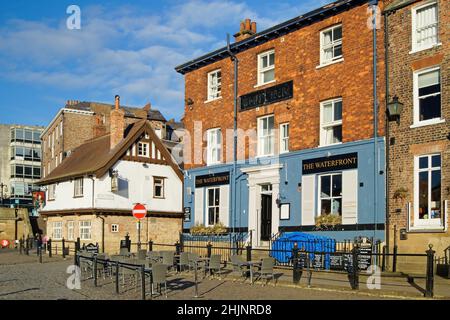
(126, 48)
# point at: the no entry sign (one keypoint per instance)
(4, 243)
(139, 211)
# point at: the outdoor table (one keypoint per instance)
(252, 264)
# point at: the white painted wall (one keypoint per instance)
(135, 186)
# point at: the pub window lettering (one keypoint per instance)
(427, 96)
(331, 122)
(266, 67)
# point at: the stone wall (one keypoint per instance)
(8, 224)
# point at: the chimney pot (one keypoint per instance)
(248, 24)
(253, 27)
(117, 98)
(247, 29)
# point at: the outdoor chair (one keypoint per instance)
(239, 266)
(184, 261)
(154, 256)
(159, 273)
(168, 258)
(215, 265)
(142, 254)
(267, 269)
(103, 267)
(87, 265)
(194, 260)
(129, 272)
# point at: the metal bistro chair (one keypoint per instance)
(142, 254)
(102, 266)
(86, 264)
(239, 266)
(159, 273)
(154, 256)
(129, 271)
(267, 269)
(168, 258)
(215, 265)
(184, 261)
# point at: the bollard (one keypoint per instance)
(95, 271)
(383, 261)
(150, 245)
(143, 281)
(78, 245)
(20, 246)
(394, 259)
(40, 254)
(354, 271)
(249, 253)
(296, 273)
(117, 277)
(49, 245)
(177, 248)
(208, 249)
(75, 259)
(429, 291)
(63, 248)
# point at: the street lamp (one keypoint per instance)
(395, 109)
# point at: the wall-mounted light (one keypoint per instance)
(114, 174)
(394, 109)
(189, 103)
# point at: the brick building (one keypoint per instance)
(92, 192)
(419, 147)
(78, 122)
(306, 132)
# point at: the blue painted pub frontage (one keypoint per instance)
(289, 192)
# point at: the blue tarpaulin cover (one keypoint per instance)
(305, 241)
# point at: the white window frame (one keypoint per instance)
(70, 230)
(426, 223)
(57, 232)
(214, 93)
(215, 206)
(214, 146)
(334, 123)
(143, 149)
(155, 184)
(262, 138)
(262, 71)
(415, 47)
(416, 111)
(331, 197)
(51, 192)
(114, 228)
(284, 139)
(85, 230)
(333, 43)
(78, 187)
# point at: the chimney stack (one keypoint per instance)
(117, 124)
(247, 29)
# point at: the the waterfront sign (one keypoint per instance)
(267, 96)
(212, 180)
(325, 164)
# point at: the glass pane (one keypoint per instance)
(217, 197)
(428, 79)
(337, 50)
(430, 108)
(264, 61)
(337, 134)
(327, 113)
(337, 207)
(423, 195)
(436, 194)
(28, 135)
(325, 207)
(436, 161)
(338, 110)
(269, 75)
(36, 136)
(337, 185)
(328, 54)
(327, 37)
(428, 90)
(19, 134)
(272, 59)
(210, 197)
(325, 183)
(423, 162)
(337, 33)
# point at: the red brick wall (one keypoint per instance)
(296, 57)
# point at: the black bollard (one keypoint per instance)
(63, 248)
(296, 272)
(150, 245)
(249, 253)
(208, 249)
(117, 277)
(354, 270)
(49, 245)
(95, 271)
(429, 291)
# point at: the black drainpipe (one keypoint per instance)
(388, 148)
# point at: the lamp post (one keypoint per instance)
(395, 108)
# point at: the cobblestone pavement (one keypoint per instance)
(22, 278)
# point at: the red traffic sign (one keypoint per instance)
(139, 211)
(4, 243)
